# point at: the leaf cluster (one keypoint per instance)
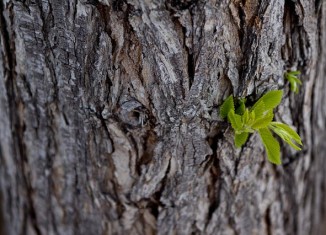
(292, 77)
(259, 118)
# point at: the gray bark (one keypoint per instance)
(109, 116)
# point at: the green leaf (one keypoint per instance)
(271, 145)
(259, 110)
(293, 73)
(264, 121)
(293, 80)
(292, 133)
(227, 106)
(245, 117)
(252, 118)
(235, 120)
(242, 107)
(294, 86)
(271, 99)
(287, 134)
(240, 139)
(297, 80)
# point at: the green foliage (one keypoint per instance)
(271, 145)
(240, 139)
(242, 106)
(293, 79)
(260, 118)
(227, 106)
(270, 100)
(287, 134)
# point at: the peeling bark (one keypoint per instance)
(109, 116)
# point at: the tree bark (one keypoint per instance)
(109, 116)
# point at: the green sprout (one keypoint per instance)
(292, 77)
(259, 118)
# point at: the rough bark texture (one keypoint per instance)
(109, 116)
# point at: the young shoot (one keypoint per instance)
(259, 118)
(292, 77)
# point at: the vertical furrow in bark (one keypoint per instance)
(318, 126)
(12, 155)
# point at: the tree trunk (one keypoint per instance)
(109, 117)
